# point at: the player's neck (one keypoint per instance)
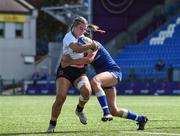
(74, 34)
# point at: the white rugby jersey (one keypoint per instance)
(67, 40)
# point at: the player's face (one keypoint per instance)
(80, 29)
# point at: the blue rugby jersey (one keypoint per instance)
(103, 61)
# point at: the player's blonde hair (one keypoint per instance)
(90, 27)
(93, 27)
(78, 20)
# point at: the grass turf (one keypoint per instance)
(29, 115)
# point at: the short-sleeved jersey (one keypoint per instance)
(103, 61)
(67, 40)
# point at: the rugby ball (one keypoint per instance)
(83, 40)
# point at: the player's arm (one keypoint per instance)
(67, 60)
(79, 49)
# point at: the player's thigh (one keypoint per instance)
(106, 79)
(111, 97)
(62, 86)
(82, 83)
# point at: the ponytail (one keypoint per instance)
(94, 28)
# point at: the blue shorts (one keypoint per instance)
(117, 75)
(115, 71)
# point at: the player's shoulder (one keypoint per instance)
(68, 35)
(69, 38)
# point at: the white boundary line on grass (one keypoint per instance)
(150, 133)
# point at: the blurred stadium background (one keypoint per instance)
(142, 36)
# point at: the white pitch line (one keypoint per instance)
(150, 133)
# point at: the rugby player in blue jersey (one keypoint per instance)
(108, 75)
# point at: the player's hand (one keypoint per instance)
(94, 46)
(89, 53)
(65, 61)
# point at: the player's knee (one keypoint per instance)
(84, 85)
(86, 92)
(95, 82)
(114, 111)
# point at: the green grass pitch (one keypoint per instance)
(29, 115)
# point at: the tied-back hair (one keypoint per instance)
(90, 27)
(93, 27)
(78, 20)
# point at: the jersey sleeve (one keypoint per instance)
(68, 40)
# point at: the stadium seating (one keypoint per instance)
(163, 45)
